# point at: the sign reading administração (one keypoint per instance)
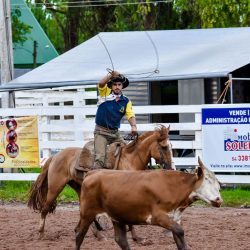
(226, 138)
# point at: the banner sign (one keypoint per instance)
(226, 138)
(19, 143)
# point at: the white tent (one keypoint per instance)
(145, 56)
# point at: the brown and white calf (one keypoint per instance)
(156, 197)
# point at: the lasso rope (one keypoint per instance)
(224, 92)
(155, 71)
(107, 53)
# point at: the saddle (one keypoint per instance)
(85, 161)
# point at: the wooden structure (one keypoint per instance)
(67, 119)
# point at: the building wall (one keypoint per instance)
(190, 92)
(138, 93)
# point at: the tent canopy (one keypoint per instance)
(145, 56)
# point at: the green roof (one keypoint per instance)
(23, 54)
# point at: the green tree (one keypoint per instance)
(19, 29)
(59, 16)
(68, 23)
(213, 13)
(78, 21)
(49, 25)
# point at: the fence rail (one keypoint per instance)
(73, 126)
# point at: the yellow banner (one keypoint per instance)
(19, 147)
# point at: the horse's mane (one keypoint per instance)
(145, 135)
(163, 131)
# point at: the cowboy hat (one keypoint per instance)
(120, 78)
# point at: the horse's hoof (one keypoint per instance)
(142, 241)
(145, 242)
(101, 237)
(41, 235)
(76, 230)
(167, 232)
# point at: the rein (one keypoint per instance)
(133, 147)
(162, 162)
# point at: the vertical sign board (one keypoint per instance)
(226, 138)
(19, 143)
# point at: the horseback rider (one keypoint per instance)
(112, 106)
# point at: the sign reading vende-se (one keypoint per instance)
(19, 142)
(226, 138)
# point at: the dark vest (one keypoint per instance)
(110, 113)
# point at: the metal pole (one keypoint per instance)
(6, 53)
(34, 54)
(6, 49)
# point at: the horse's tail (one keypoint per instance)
(39, 190)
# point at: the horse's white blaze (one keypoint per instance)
(175, 215)
(209, 191)
(173, 165)
(149, 219)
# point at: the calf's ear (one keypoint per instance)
(199, 172)
(200, 168)
(199, 161)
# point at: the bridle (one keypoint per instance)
(162, 162)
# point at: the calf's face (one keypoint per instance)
(209, 190)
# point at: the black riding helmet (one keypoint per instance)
(120, 78)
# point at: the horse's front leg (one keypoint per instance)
(96, 227)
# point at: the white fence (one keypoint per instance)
(65, 126)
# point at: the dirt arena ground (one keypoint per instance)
(205, 228)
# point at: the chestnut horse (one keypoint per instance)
(59, 169)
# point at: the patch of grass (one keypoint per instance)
(14, 190)
(68, 195)
(239, 196)
(18, 191)
(29, 170)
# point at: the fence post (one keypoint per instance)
(78, 119)
(1, 171)
(45, 136)
(61, 104)
(198, 134)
